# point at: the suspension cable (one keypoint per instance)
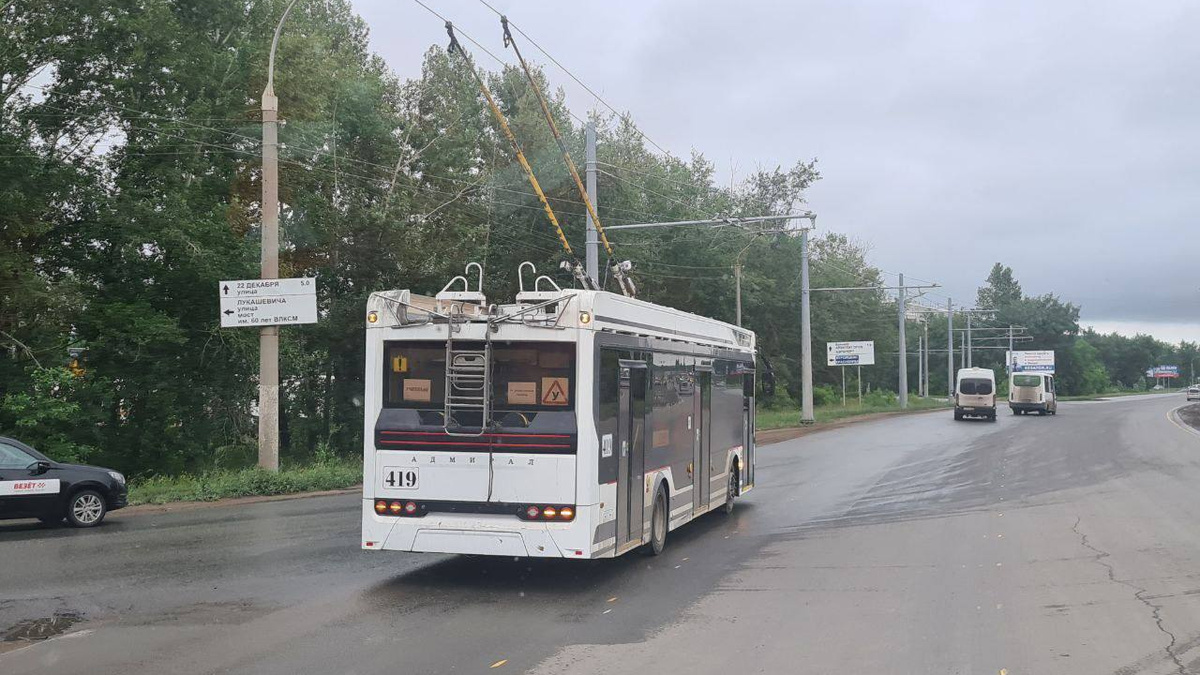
(623, 281)
(573, 263)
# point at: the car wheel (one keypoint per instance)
(957, 416)
(731, 494)
(658, 524)
(86, 509)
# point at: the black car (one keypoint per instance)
(34, 486)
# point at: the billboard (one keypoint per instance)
(1032, 361)
(861, 353)
(1163, 371)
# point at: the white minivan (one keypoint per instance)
(1033, 392)
(975, 394)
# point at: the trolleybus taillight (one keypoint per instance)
(397, 507)
(546, 512)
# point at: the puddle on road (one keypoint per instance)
(33, 630)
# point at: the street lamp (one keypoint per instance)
(268, 339)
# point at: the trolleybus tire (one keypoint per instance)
(731, 494)
(658, 523)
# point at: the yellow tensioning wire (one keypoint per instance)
(626, 288)
(455, 47)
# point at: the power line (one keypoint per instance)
(578, 81)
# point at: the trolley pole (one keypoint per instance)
(806, 396)
(593, 243)
(900, 301)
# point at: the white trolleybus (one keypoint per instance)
(570, 424)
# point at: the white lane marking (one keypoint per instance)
(1173, 417)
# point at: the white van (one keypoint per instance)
(975, 394)
(1033, 392)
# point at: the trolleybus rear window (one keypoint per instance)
(525, 376)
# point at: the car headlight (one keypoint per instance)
(117, 477)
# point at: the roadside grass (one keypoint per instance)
(1116, 394)
(779, 418)
(255, 482)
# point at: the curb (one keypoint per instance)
(147, 509)
(1174, 417)
(770, 436)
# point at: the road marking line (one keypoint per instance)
(1173, 418)
(498, 663)
(613, 599)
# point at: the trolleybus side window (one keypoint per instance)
(671, 406)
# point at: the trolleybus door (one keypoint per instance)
(702, 464)
(747, 476)
(631, 457)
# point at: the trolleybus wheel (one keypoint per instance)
(658, 523)
(731, 495)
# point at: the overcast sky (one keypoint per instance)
(1060, 138)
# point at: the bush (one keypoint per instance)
(879, 398)
(780, 401)
(825, 395)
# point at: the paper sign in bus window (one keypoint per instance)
(522, 393)
(416, 390)
(661, 438)
(554, 391)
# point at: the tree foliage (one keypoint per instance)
(130, 185)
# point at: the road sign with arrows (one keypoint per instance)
(267, 302)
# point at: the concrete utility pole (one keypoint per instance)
(969, 345)
(268, 339)
(806, 395)
(593, 241)
(950, 347)
(737, 280)
(925, 363)
(920, 365)
(1009, 360)
(900, 300)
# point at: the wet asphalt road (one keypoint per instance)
(1066, 544)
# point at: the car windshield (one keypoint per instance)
(1026, 381)
(12, 457)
